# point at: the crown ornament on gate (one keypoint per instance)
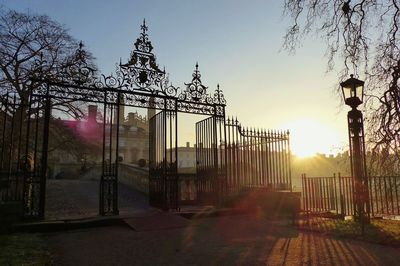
(78, 69)
(142, 43)
(219, 96)
(196, 92)
(142, 72)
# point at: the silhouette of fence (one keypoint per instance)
(335, 195)
(21, 156)
(257, 158)
(17, 163)
(320, 194)
(384, 195)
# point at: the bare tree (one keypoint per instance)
(363, 37)
(36, 46)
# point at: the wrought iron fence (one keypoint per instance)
(11, 180)
(384, 195)
(21, 145)
(335, 194)
(346, 200)
(210, 160)
(257, 158)
(319, 194)
(163, 175)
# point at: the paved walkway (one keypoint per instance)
(151, 237)
(228, 240)
(76, 199)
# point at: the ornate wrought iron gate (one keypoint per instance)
(211, 159)
(139, 83)
(163, 155)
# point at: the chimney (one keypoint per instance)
(92, 113)
(188, 144)
(131, 117)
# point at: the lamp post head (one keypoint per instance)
(353, 91)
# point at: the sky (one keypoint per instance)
(237, 44)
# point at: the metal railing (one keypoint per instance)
(335, 194)
(384, 194)
(257, 158)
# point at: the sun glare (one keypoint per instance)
(309, 137)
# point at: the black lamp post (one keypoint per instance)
(353, 92)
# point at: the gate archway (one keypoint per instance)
(141, 83)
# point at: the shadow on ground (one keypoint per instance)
(244, 240)
(381, 231)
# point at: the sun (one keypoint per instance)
(309, 137)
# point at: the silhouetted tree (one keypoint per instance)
(363, 35)
(36, 46)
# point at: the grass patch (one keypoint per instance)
(23, 249)
(380, 231)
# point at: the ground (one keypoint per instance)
(227, 240)
(150, 237)
(75, 199)
(24, 249)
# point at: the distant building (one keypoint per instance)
(187, 156)
(133, 136)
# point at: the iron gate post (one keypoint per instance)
(103, 165)
(115, 181)
(11, 150)
(45, 146)
(4, 132)
(27, 171)
(164, 162)
(177, 193)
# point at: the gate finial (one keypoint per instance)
(143, 27)
(219, 97)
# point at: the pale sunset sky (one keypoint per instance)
(237, 44)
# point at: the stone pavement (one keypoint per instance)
(151, 237)
(77, 199)
(224, 240)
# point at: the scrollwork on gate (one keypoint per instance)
(142, 72)
(140, 81)
(196, 99)
(195, 91)
(77, 69)
(219, 97)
